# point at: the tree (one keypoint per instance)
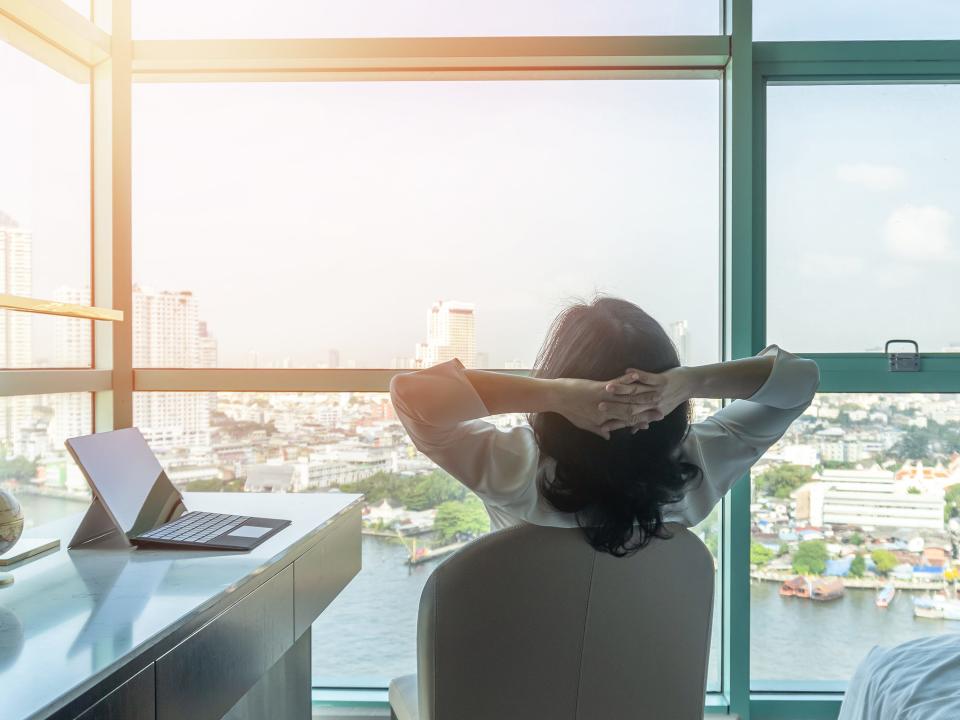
(215, 485)
(914, 445)
(414, 493)
(858, 567)
(760, 555)
(810, 558)
(461, 519)
(432, 491)
(951, 507)
(781, 480)
(18, 468)
(856, 539)
(884, 560)
(837, 465)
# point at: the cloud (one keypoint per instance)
(919, 232)
(829, 265)
(870, 176)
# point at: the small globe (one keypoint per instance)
(11, 521)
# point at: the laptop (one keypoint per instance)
(133, 497)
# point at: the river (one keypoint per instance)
(368, 634)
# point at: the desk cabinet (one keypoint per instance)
(133, 699)
(111, 633)
(206, 674)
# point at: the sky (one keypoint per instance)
(310, 216)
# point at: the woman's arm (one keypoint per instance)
(733, 380)
(591, 405)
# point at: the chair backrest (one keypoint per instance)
(531, 622)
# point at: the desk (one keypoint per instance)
(115, 632)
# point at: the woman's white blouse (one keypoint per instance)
(439, 408)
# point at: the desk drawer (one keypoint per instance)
(205, 675)
(131, 701)
(323, 571)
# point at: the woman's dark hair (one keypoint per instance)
(618, 487)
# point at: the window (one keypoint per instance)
(34, 464)
(862, 216)
(321, 224)
(44, 210)
(421, 18)
(856, 20)
(857, 496)
(332, 442)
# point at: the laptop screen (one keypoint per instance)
(124, 473)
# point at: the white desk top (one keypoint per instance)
(73, 616)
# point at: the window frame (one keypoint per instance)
(101, 51)
(836, 63)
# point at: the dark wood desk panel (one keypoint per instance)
(88, 621)
(134, 699)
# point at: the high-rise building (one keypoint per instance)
(451, 333)
(16, 275)
(678, 333)
(167, 332)
(207, 346)
(72, 344)
(16, 339)
(72, 412)
(334, 358)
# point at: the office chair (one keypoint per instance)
(531, 623)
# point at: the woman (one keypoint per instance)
(609, 446)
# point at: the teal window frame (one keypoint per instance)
(101, 51)
(819, 63)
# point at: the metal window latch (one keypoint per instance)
(903, 361)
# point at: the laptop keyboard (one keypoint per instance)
(195, 527)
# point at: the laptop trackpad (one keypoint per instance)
(253, 531)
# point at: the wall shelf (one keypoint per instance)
(51, 307)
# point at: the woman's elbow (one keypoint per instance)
(811, 377)
(399, 388)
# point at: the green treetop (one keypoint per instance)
(884, 560)
(810, 558)
(781, 480)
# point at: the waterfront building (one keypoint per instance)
(72, 412)
(451, 333)
(678, 333)
(16, 340)
(270, 478)
(167, 332)
(868, 498)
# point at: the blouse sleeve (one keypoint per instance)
(440, 410)
(729, 442)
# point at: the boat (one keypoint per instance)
(929, 607)
(826, 589)
(797, 586)
(886, 595)
(951, 610)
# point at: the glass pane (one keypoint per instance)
(351, 442)
(856, 497)
(364, 204)
(421, 18)
(856, 20)
(34, 464)
(81, 6)
(862, 208)
(44, 209)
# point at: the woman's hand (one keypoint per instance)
(602, 407)
(660, 393)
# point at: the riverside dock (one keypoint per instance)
(858, 583)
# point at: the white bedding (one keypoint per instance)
(918, 680)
